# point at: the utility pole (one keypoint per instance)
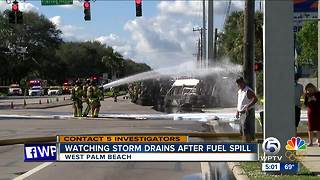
(199, 53)
(201, 43)
(204, 38)
(318, 79)
(278, 73)
(210, 33)
(215, 43)
(248, 55)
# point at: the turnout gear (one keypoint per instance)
(115, 93)
(76, 97)
(94, 95)
(86, 99)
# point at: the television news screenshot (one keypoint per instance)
(159, 90)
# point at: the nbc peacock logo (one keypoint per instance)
(296, 143)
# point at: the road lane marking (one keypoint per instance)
(32, 171)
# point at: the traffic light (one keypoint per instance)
(258, 66)
(12, 17)
(138, 8)
(15, 6)
(15, 16)
(87, 13)
(19, 17)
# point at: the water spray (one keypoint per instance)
(188, 69)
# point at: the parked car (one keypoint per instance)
(36, 91)
(14, 89)
(54, 90)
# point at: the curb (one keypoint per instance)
(234, 167)
(237, 171)
(7, 142)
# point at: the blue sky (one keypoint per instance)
(107, 16)
(162, 37)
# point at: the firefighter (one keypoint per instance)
(76, 96)
(94, 95)
(115, 94)
(130, 90)
(86, 99)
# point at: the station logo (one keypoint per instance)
(40, 152)
(271, 147)
(295, 143)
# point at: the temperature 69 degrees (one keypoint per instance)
(289, 167)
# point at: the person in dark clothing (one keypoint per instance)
(312, 101)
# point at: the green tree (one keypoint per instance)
(307, 39)
(48, 57)
(39, 35)
(81, 59)
(113, 62)
(131, 67)
(84, 59)
(230, 41)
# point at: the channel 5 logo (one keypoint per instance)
(271, 147)
(40, 152)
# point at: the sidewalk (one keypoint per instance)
(311, 159)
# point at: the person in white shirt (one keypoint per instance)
(245, 110)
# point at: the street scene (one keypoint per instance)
(203, 69)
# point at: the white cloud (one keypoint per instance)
(166, 39)
(117, 44)
(194, 8)
(23, 6)
(56, 20)
(162, 40)
(190, 8)
(69, 32)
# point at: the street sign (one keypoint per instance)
(56, 2)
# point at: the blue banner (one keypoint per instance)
(305, 5)
(157, 147)
(40, 152)
(289, 167)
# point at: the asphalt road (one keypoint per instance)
(13, 166)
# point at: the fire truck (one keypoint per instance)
(67, 86)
